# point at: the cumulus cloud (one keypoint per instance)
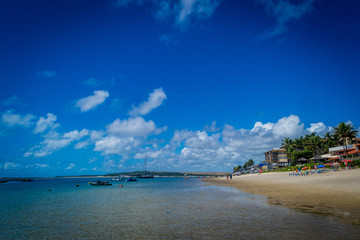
(133, 127)
(46, 123)
(319, 128)
(284, 11)
(91, 102)
(12, 119)
(117, 145)
(211, 148)
(224, 148)
(155, 99)
(288, 127)
(54, 142)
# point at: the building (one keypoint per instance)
(351, 150)
(276, 158)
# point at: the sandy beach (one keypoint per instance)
(333, 193)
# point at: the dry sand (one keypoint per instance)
(333, 193)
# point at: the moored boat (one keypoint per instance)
(100, 183)
(131, 179)
(146, 174)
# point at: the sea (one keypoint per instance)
(158, 208)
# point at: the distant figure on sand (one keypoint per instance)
(227, 176)
(230, 176)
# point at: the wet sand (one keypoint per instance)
(333, 193)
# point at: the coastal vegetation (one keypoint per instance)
(248, 164)
(312, 145)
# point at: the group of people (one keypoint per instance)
(228, 175)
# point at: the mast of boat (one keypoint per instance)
(145, 162)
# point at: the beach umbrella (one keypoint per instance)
(346, 160)
(320, 166)
(328, 164)
(317, 157)
(304, 168)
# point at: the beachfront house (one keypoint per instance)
(352, 150)
(277, 158)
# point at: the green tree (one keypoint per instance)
(314, 144)
(249, 163)
(237, 168)
(346, 134)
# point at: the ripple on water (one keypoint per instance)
(153, 209)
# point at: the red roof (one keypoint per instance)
(354, 151)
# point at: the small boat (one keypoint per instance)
(186, 176)
(146, 175)
(100, 183)
(119, 178)
(131, 179)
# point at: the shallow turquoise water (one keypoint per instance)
(159, 208)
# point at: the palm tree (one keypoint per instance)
(346, 134)
(287, 144)
(315, 144)
(329, 141)
(237, 168)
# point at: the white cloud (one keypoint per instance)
(212, 127)
(259, 126)
(76, 135)
(91, 102)
(201, 9)
(201, 140)
(284, 12)
(54, 142)
(317, 128)
(11, 165)
(96, 135)
(178, 13)
(289, 127)
(81, 145)
(204, 150)
(70, 166)
(46, 123)
(37, 166)
(117, 145)
(12, 119)
(155, 99)
(133, 127)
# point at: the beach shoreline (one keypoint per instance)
(334, 194)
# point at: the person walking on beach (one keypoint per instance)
(227, 176)
(230, 176)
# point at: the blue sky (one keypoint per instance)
(92, 87)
